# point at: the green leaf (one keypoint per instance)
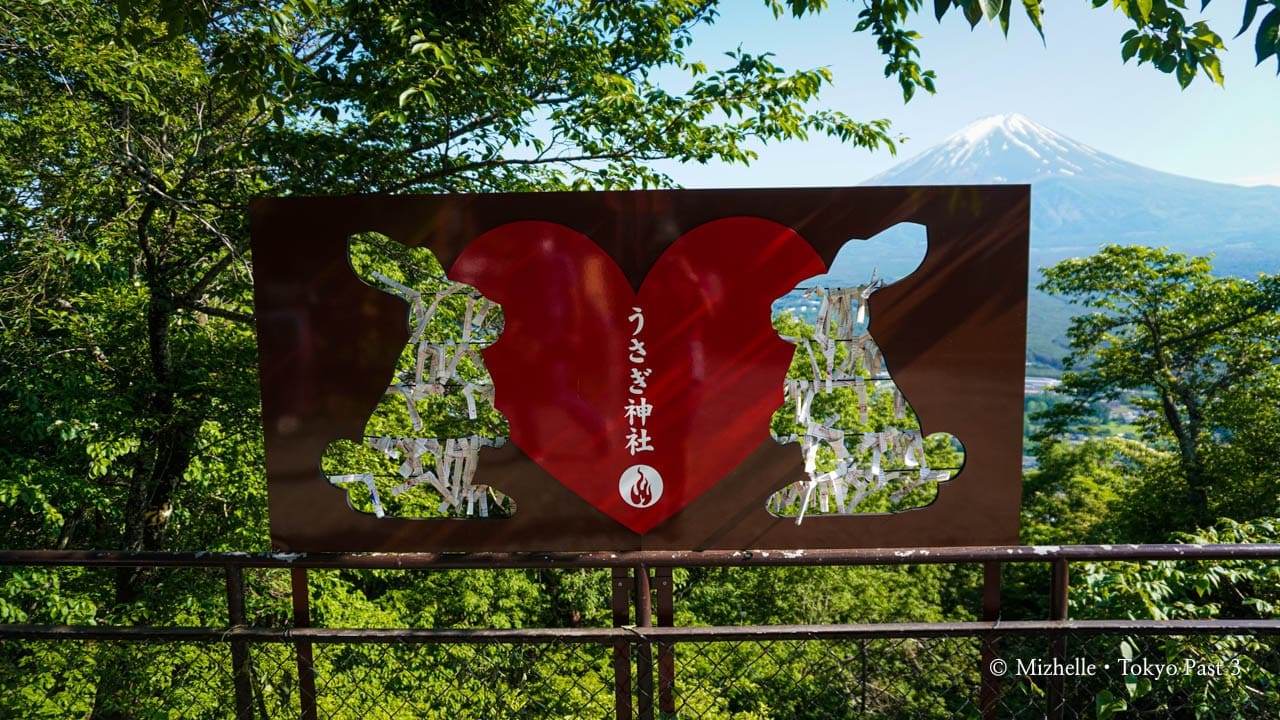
(1268, 41)
(940, 8)
(1144, 10)
(1107, 705)
(991, 8)
(973, 11)
(1250, 10)
(1213, 68)
(1186, 73)
(1033, 13)
(1130, 48)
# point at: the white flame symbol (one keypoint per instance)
(640, 486)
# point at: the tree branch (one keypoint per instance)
(498, 162)
(230, 315)
(207, 279)
(1220, 326)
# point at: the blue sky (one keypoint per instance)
(1074, 83)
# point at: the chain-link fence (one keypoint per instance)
(1140, 676)
(1098, 676)
(969, 669)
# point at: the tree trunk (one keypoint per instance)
(162, 458)
(163, 454)
(1186, 431)
(1199, 483)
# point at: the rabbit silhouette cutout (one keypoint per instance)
(419, 450)
(861, 443)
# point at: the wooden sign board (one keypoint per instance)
(638, 369)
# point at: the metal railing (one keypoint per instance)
(644, 666)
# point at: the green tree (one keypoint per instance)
(491, 95)
(126, 384)
(1070, 497)
(942, 452)
(134, 135)
(136, 132)
(1198, 354)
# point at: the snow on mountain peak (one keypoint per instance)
(1012, 122)
(1008, 148)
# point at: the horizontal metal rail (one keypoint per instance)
(648, 558)
(632, 590)
(603, 635)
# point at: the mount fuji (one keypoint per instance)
(1083, 198)
(1003, 149)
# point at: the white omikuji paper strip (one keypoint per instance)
(894, 457)
(367, 479)
(447, 465)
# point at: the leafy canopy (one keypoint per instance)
(135, 133)
(1162, 32)
(1199, 354)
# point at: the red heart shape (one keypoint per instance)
(562, 368)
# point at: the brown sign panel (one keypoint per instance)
(673, 285)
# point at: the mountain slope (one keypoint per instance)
(1083, 198)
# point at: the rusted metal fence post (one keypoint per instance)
(662, 577)
(621, 648)
(1059, 584)
(644, 650)
(240, 671)
(862, 656)
(306, 660)
(988, 693)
